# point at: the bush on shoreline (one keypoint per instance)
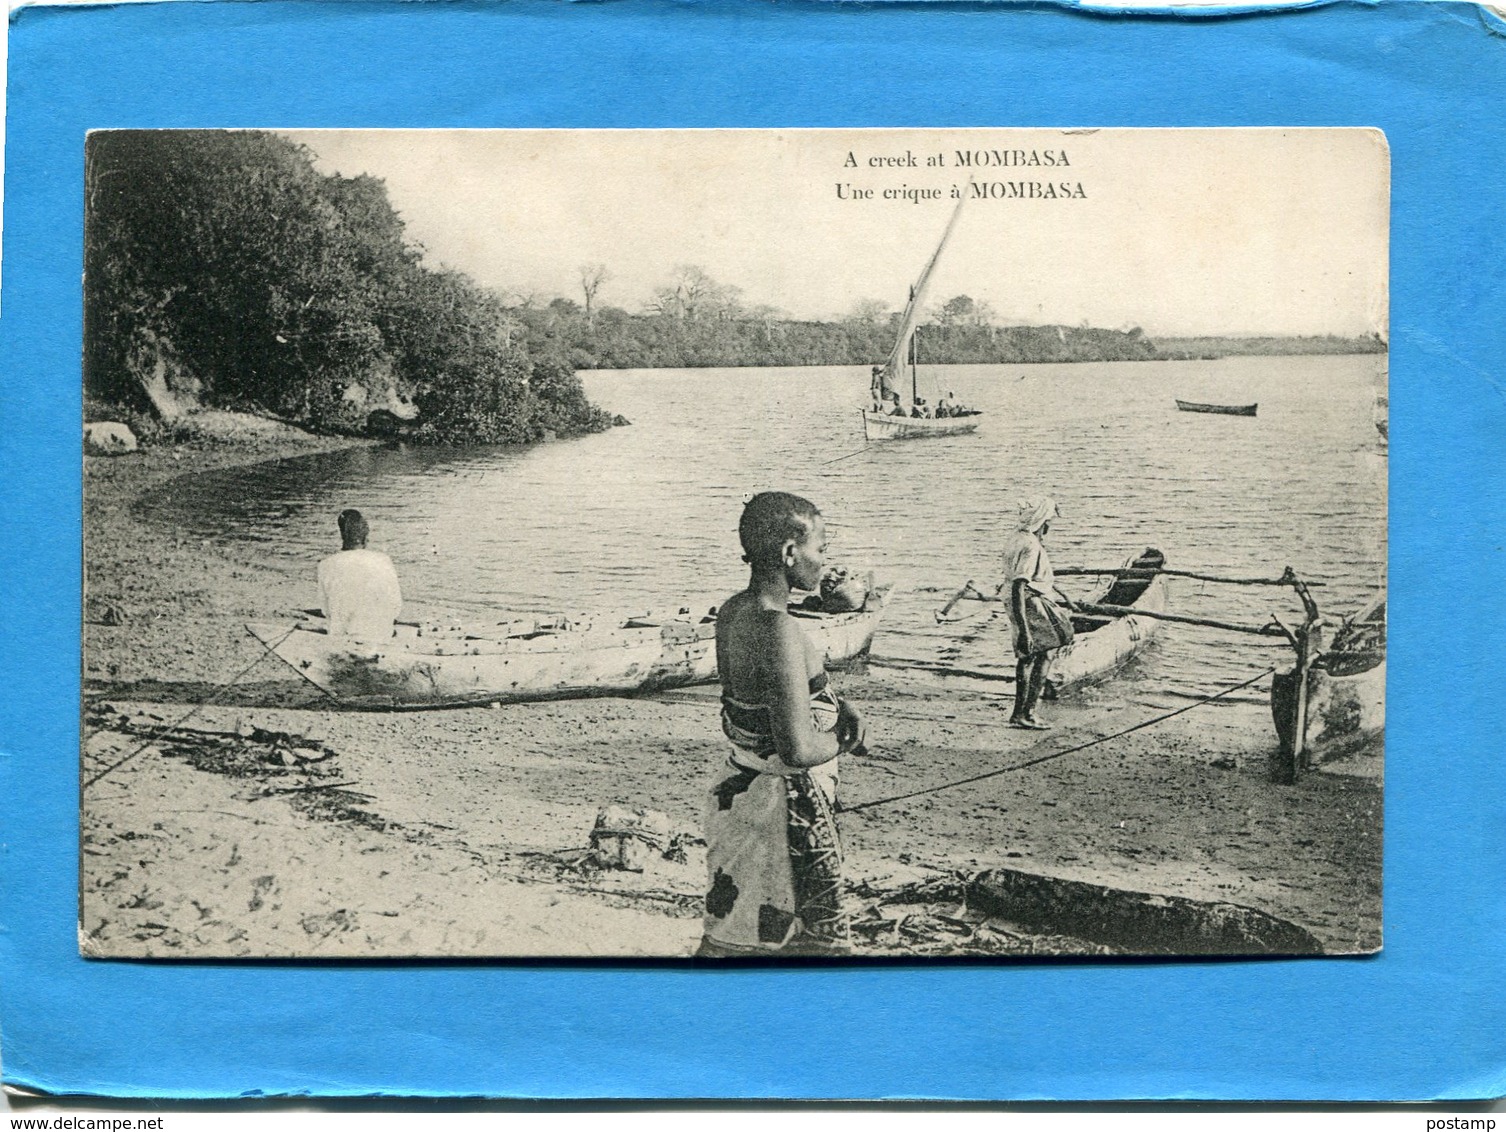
(223, 270)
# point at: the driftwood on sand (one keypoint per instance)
(1139, 922)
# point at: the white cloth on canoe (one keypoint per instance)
(1025, 557)
(359, 593)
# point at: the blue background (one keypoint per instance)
(1426, 1019)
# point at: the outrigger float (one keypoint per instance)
(1332, 701)
(1345, 693)
(429, 666)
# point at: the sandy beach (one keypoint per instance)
(463, 832)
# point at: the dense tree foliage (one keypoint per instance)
(615, 339)
(223, 267)
(694, 320)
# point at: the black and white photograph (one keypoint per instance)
(775, 544)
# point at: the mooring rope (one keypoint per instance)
(867, 446)
(1054, 754)
(181, 720)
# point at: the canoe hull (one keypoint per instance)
(1096, 655)
(1224, 410)
(450, 668)
(877, 426)
(1093, 654)
(1344, 713)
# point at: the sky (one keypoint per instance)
(1179, 232)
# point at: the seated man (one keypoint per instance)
(358, 588)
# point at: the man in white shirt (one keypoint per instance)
(358, 588)
(1032, 583)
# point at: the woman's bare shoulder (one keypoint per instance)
(746, 612)
(767, 626)
(734, 604)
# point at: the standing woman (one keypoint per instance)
(773, 854)
(1040, 627)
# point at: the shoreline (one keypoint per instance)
(401, 843)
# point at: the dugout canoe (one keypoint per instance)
(432, 665)
(1226, 410)
(1101, 644)
(1346, 691)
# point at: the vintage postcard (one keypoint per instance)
(771, 543)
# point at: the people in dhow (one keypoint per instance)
(1040, 626)
(773, 854)
(358, 588)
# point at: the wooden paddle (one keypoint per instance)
(967, 589)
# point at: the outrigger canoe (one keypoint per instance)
(1226, 410)
(1101, 644)
(560, 658)
(1346, 691)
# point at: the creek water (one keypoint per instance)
(646, 516)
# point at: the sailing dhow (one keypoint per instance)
(887, 418)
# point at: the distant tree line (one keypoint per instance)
(1224, 347)
(695, 321)
(222, 269)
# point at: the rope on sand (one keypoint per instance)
(1055, 754)
(166, 727)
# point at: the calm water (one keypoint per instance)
(646, 515)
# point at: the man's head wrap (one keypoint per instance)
(1036, 513)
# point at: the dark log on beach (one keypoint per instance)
(1142, 922)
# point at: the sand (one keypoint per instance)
(464, 832)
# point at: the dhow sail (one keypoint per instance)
(884, 380)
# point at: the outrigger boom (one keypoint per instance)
(1271, 630)
(1286, 579)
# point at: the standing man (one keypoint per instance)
(358, 588)
(1040, 627)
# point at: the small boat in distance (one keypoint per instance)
(879, 423)
(427, 666)
(1226, 410)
